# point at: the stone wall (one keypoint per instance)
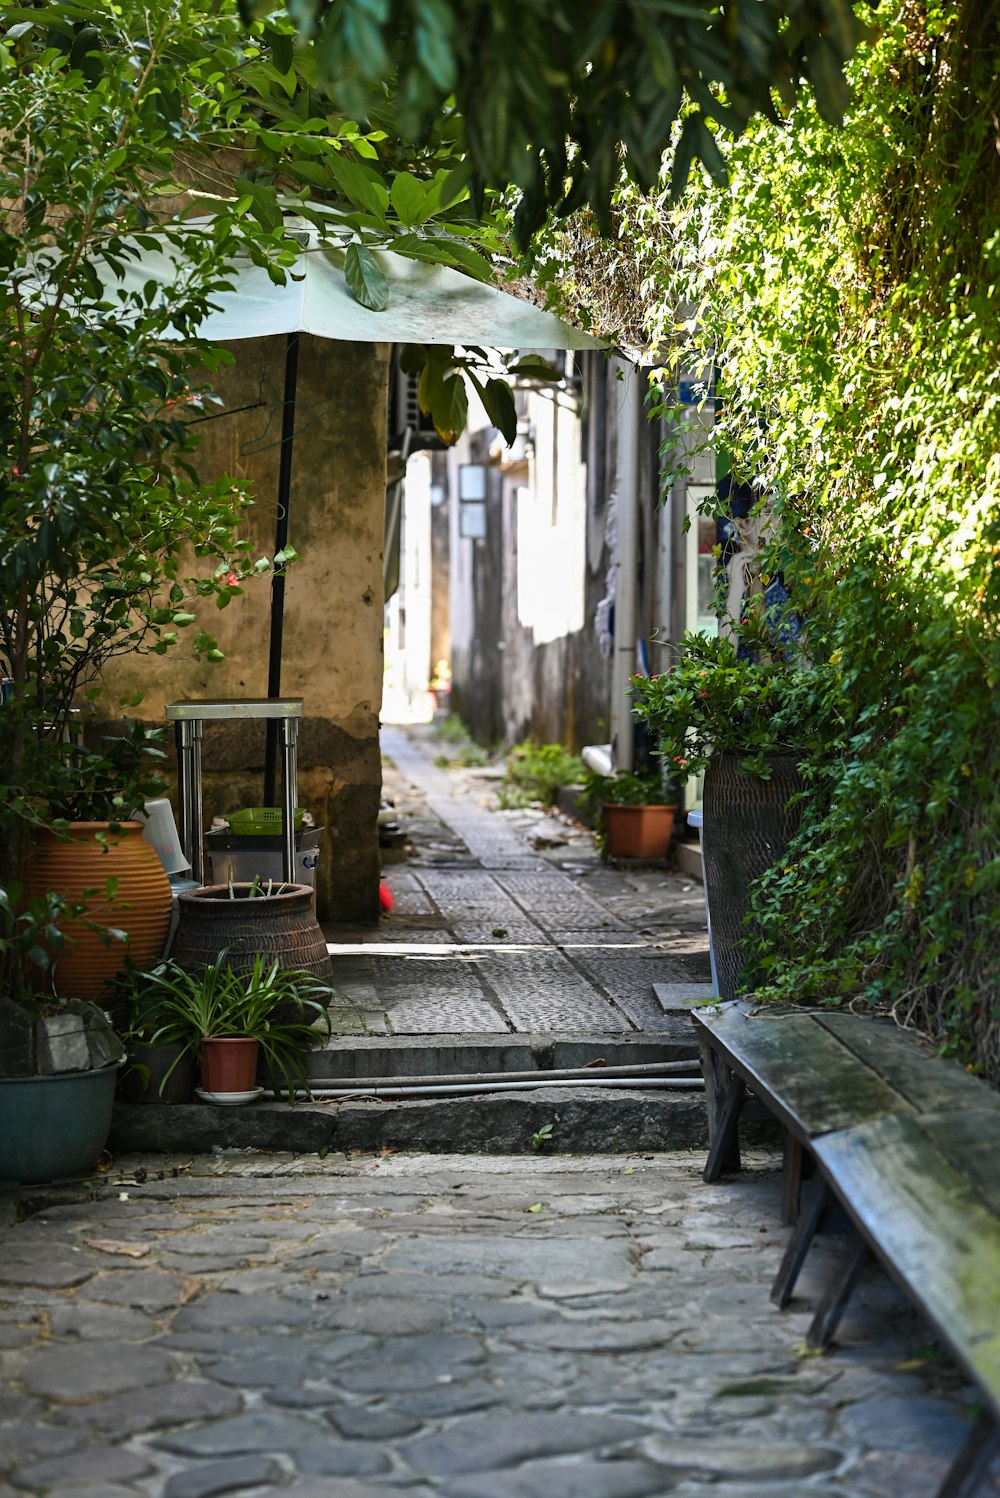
(332, 655)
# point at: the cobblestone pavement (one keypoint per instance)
(507, 921)
(529, 1328)
(538, 1326)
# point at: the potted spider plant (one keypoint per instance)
(234, 1021)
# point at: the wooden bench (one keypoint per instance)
(905, 1146)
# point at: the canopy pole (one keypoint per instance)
(280, 542)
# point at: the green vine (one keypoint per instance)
(845, 287)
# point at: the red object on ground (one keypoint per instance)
(385, 900)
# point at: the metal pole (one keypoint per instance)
(458, 1089)
(280, 542)
(626, 565)
(289, 740)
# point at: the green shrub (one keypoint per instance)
(843, 291)
(846, 286)
(539, 770)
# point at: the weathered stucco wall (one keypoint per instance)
(526, 656)
(332, 655)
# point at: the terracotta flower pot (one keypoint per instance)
(229, 1063)
(637, 831)
(79, 867)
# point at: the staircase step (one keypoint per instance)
(584, 1120)
(350, 1056)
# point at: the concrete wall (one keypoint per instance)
(332, 655)
(527, 651)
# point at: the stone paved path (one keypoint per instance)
(528, 1328)
(511, 947)
(505, 924)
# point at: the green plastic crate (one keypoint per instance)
(260, 821)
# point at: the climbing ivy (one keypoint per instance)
(845, 288)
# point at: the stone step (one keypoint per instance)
(609, 1116)
(414, 1056)
(584, 1120)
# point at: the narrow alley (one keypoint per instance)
(499, 931)
(341, 1316)
(519, 984)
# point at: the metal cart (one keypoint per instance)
(188, 718)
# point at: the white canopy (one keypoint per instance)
(427, 304)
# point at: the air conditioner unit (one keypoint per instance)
(405, 413)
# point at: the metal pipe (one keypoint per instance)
(454, 1089)
(556, 1074)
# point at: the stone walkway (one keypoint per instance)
(507, 922)
(356, 1323)
(529, 1328)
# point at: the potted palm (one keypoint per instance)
(234, 1021)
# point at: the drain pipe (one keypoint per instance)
(679, 1074)
(626, 563)
(486, 1089)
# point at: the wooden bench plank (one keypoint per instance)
(927, 1081)
(968, 1139)
(810, 1079)
(932, 1231)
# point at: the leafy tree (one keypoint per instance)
(550, 96)
(99, 506)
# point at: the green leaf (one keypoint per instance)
(498, 398)
(450, 410)
(263, 203)
(282, 50)
(412, 358)
(361, 185)
(366, 278)
(444, 252)
(409, 198)
(684, 154)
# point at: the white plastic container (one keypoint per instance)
(161, 830)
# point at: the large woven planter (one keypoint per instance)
(746, 825)
(79, 867)
(281, 926)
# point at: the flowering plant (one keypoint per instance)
(711, 701)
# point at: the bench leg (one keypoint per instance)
(834, 1303)
(817, 1196)
(724, 1150)
(791, 1179)
(973, 1462)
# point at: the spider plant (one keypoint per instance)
(284, 1009)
